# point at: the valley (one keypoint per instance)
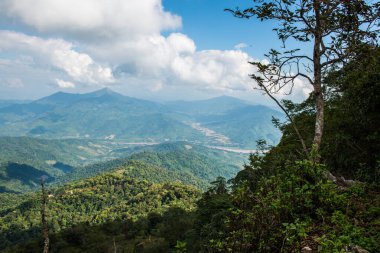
(221, 121)
(94, 182)
(141, 158)
(71, 159)
(62, 137)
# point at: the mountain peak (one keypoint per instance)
(104, 91)
(64, 98)
(60, 97)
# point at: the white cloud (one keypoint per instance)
(302, 88)
(240, 46)
(93, 19)
(59, 54)
(215, 69)
(174, 60)
(297, 90)
(124, 35)
(64, 84)
(181, 43)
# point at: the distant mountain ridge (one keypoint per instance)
(105, 114)
(5, 103)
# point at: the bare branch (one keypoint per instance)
(288, 116)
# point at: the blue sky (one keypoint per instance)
(211, 27)
(153, 49)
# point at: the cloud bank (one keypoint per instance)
(105, 42)
(56, 53)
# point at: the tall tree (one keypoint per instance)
(335, 28)
(45, 229)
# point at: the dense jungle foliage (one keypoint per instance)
(283, 203)
(92, 202)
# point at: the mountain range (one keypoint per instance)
(105, 114)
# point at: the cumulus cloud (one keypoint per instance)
(214, 69)
(181, 43)
(126, 35)
(302, 88)
(111, 41)
(92, 19)
(64, 84)
(59, 54)
(297, 90)
(174, 60)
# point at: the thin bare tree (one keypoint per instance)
(45, 228)
(335, 29)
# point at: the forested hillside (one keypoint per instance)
(191, 164)
(24, 160)
(97, 205)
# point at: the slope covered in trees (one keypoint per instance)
(25, 160)
(351, 140)
(282, 203)
(186, 162)
(107, 198)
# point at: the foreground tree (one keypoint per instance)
(335, 28)
(45, 229)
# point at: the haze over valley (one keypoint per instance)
(107, 115)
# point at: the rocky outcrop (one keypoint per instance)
(355, 249)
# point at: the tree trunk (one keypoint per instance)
(318, 93)
(45, 229)
(319, 117)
